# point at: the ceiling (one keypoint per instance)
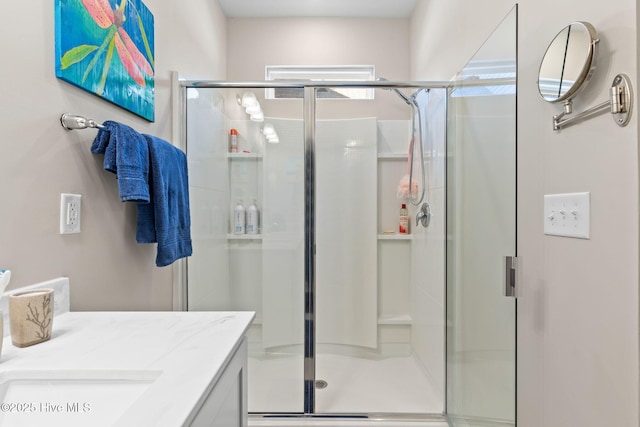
(318, 8)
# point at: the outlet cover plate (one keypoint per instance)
(70, 209)
(567, 215)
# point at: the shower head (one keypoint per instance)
(400, 94)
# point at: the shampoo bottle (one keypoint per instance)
(253, 219)
(233, 141)
(404, 220)
(239, 219)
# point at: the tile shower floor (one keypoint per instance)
(355, 385)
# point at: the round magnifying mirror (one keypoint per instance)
(568, 63)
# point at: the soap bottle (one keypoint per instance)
(404, 220)
(239, 219)
(233, 141)
(253, 219)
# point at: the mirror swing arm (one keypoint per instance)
(619, 104)
(566, 68)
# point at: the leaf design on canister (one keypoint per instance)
(41, 319)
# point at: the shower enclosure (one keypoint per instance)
(352, 318)
(328, 274)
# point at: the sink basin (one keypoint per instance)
(69, 397)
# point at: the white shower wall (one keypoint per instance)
(282, 278)
(346, 232)
(428, 247)
(394, 255)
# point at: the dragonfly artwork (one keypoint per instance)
(107, 48)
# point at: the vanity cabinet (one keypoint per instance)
(163, 369)
(225, 405)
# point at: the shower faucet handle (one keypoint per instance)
(424, 215)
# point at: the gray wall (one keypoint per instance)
(254, 43)
(107, 269)
(578, 313)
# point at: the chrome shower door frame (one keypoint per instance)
(309, 115)
(309, 130)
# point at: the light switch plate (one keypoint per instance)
(567, 215)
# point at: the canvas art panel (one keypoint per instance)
(107, 48)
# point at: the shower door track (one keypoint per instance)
(378, 417)
(309, 107)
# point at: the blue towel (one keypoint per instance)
(127, 155)
(152, 173)
(166, 219)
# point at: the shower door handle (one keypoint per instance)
(512, 269)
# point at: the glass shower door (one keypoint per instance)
(481, 230)
(377, 352)
(233, 270)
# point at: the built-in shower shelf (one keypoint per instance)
(392, 156)
(395, 236)
(401, 319)
(244, 236)
(244, 155)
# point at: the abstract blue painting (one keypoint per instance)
(107, 49)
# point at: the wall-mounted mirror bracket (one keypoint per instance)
(619, 104)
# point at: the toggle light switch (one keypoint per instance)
(567, 215)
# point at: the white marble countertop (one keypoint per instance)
(186, 350)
